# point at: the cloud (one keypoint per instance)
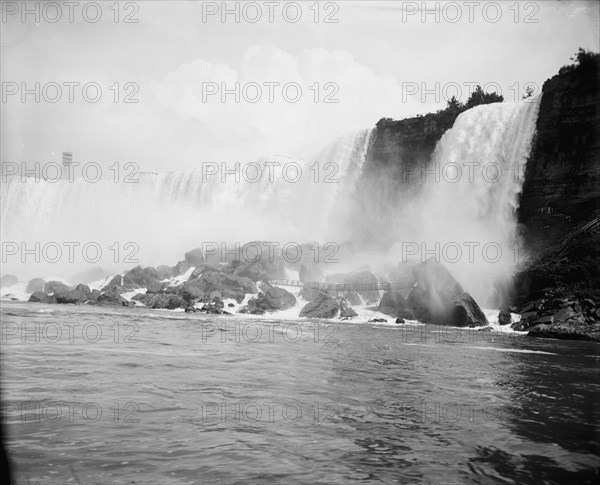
(319, 95)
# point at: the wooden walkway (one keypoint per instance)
(339, 287)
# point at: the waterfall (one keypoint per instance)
(276, 198)
(465, 211)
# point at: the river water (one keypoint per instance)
(97, 395)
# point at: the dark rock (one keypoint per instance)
(322, 307)
(277, 298)
(261, 270)
(567, 331)
(399, 320)
(378, 320)
(80, 294)
(504, 318)
(140, 277)
(230, 305)
(309, 294)
(41, 297)
(112, 298)
(115, 285)
(36, 284)
(54, 287)
(181, 267)
(8, 280)
(348, 313)
(165, 300)
(228, 285)
(439, 299)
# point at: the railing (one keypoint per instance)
(590, 226)
(337, 287)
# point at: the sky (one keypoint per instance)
(367, 59)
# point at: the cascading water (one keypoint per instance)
(166, 214)
(465, 212)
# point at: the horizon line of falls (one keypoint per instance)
(164, 215)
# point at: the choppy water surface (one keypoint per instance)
(155, 397)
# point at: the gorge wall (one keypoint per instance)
(562, 172)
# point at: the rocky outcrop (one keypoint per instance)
(112, 298)
(562, 181)
(55, 286)
(8, 280)
(140, 277)
(80, 294)
(277, 298)
(222, 285)
(41, 297)
(323, 306)
(439, 299)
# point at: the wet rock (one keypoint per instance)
(229, 285)
(277, 298)
(8, 280)
(364, 277)
(112, 298)
(353, 298)
(80, 294)
(115, 285)
(321, 307)
(166, 301)
(140, 277)
(41, 297)
(567, 331)
(309, 294)
(348, 313)
(439, 299)
(164, 272)
(36, 284)
(378, 320)
(504, 318)
(399, 320)
(393, 303)
(55, 287)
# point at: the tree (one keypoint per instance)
(454, 104)
(479, 96)
(528, 92)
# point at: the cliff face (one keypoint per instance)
(562, 181)
(398, 153)
(563, 170)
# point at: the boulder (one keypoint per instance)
(80, 294)
(194, 257)
(115, 285)
(567, 331)
(54, 287)
(261, 270)
(181, 267)
(277, 298)
(321, 307)
(348, 313)
(439, 299)
(165, 300)
(399, 320)
(255, 306)
(140, 277)
(309, 294)
(41, 297)
(229, 285)
(8, 280)
(112, 298)
(36, 284)
(504, 318)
